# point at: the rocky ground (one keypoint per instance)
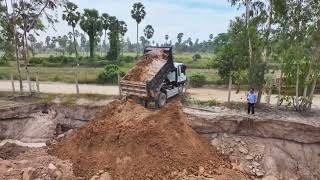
(271, 145)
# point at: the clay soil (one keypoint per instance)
(131, 142)
(147, 66)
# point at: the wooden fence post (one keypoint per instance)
(29, 82)
(229, 88)
(77, 83)
(12, 84)
(119, 85)
(37, 82)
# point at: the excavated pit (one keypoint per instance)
(275, 146)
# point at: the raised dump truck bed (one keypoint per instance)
(145, 78)
(155, 77)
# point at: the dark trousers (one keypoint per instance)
(251, 108)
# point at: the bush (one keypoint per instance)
(196, 57)
(127, 59)
(109, 75)
(197, 80)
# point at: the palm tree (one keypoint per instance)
(167, 38)
(148, 32)
(138, 13)
(72, 16)
(179, 37)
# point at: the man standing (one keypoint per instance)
(252, 100)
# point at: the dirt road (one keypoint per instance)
(197, 93)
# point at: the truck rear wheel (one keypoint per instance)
(162, 100)
(180, 89)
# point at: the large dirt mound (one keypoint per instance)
(131, 142)
(147, 66)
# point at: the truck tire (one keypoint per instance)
(162, 100)
(180, 89)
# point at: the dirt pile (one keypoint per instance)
(147, 66)
(131, 142)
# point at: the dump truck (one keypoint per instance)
(155, 77)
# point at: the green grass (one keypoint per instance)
(85, 75)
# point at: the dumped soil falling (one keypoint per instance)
(131, 142)
(147, 66)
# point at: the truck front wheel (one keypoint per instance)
(162, 100)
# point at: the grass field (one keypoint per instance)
(85, 74)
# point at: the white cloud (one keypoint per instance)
(165, 17)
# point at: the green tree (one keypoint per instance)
(138, 13)
(179, 37)
(91, 23)
(148, 32)
(72, 17)
(106, 25)
(117, 28)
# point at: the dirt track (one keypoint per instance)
(197, 93)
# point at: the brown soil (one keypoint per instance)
(10, 151)
(131, 142)
(147, 66)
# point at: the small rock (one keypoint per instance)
(58, 175)
(52, 167)
(201, 170)
(237, 139)
(105, 176)
(23, 162)
(95, 177)
(259, 173)
(243, 150)
(214, 135)
(249, 157)
(214, 142)
(69, 132)
(226, 135)
(28, 174)
(250, 167)
(242, 142)
(61, 136)
(255, 164)
(269, 178)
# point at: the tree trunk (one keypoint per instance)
(279, 88)
(305, 90)
(297, 83)
(91, 41)
(16, 47)
(313, 87)
(248, 30)
(25, 56)
(230, 88)
(74, 42)
(137, 39)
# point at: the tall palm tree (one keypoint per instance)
(138, 13)
(72, 16)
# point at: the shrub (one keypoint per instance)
(109, 75)
(127, 59)
(197, 80)
(196, 57)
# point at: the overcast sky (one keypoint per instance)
(195, 18)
